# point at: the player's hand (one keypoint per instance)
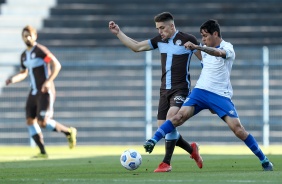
(46, 86)
(190, 45)
(113, 27)
(8, 81)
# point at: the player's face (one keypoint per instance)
(208, 39)
(166, 29)
(29, 38)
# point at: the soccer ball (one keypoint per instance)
(130, 159)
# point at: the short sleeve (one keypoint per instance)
(228, 48)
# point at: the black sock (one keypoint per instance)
(67, 133)
(169, 148)
(39, 141)
(64, 132)
(184, 145)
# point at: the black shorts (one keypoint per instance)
(39, 106)
(170, 98)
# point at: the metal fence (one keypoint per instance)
(103, 92)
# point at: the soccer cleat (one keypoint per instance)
(196, 155)
(163, 167)
(41, 155)
(149, 145)
(72, 137)
(267, 166)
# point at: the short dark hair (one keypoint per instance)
(30, 29)
(211, 26)
(163, 17)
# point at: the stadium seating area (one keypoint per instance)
(101, 88)
(85, 23)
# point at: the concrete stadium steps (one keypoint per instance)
(16, 23)
(116, 132)
(108, 101)
(151, 9)
(27, 8)
(276, 94)
(85, 23)
(86, 93)
(251, 35)
(1, 3)
(100, 93)
(14, 15)
(148, 2)
(109, 133)
(103, 33)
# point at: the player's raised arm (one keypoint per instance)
(127, 41)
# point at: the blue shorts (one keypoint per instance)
(202, 99)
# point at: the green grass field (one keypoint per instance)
(100, 165)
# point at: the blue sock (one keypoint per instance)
(253, 145)
(51, 125)
(165, 128)
(174, 135)
(34, 129)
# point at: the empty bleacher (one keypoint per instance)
(105, 100)
(101, 87)
(85, 23)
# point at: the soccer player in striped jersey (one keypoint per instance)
(42, 67)
(175, 80)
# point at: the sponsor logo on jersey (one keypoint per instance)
(179, 99)
(232, 112)
(32, 55)
(178, 42)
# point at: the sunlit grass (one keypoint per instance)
(100, 164)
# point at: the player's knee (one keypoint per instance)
(178, 119)
(42, 123)
(29, 121)
(241, 133)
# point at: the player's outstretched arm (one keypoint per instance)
(210, 50)
(213, 51)
(127, 41)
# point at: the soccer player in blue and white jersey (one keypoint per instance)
(213, 91)
(42, 67)
(175, 81)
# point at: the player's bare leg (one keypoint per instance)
(70, 132)
(36, 134)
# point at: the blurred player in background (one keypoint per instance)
(213, 91)
(175, 81)
(42, 67)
